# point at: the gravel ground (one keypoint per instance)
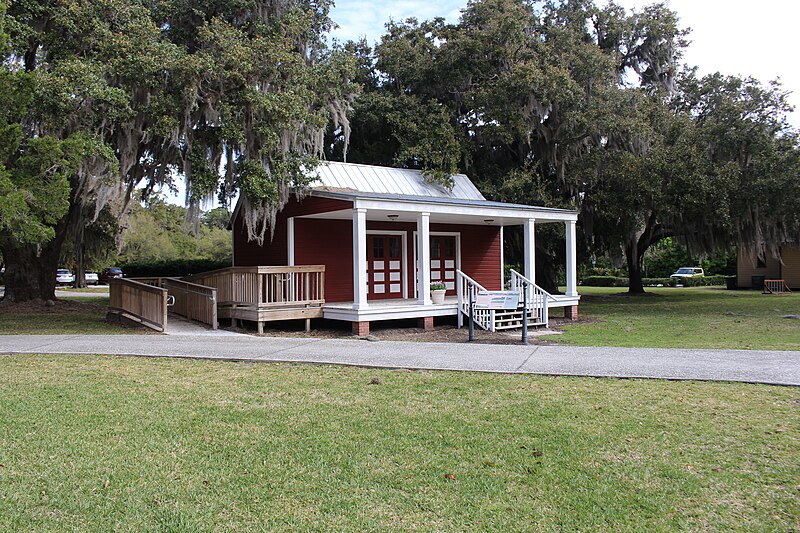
(392, 331)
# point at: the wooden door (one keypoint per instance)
(384, 266)
(443, 261)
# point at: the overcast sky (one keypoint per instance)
(730, 36)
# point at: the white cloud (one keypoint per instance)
(358, 18)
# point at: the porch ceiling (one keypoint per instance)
(478, 216)
(443, 210)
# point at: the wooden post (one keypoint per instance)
(529, 238)
(360, 259)
(571, 259)
(424, 258)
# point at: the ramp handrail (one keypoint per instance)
(139, 301)
(193, 301)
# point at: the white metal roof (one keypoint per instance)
(337, 176)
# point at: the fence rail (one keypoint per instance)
(139, 301)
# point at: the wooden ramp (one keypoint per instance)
(139, 302)
(256, 294)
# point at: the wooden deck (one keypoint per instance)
(262, 294)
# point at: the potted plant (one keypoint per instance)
(437, 292)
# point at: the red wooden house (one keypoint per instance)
(385, 235)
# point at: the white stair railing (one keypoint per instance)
(484, 318)
(536, 299)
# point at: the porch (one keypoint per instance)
(410, 308)
(395, 248)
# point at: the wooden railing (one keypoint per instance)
(192, 301)
(776, 286)
(266, 286)
(536, 298)
(154, 281)
(139, 301)
(484, 318)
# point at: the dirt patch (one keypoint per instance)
(58, 307)
(408, 331)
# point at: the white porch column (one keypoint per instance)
(502, 261)
(424, 258)
(290, 241)
(359, 258)
(572, 259)
(529, 240)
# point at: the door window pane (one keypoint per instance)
(377, 247)
(449, 247)
(435, 248)
(394, 247)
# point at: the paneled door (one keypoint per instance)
(443, 261)
(384, 266)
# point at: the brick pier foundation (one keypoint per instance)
(425, 323)
(571, 312)
(361, 328)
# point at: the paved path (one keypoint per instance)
(774, 367)
(177, 325)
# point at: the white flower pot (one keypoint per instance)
(437, 296)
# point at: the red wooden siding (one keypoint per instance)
(329, 243)
(274, 251)
(480, 252)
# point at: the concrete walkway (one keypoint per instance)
(177, 325)
(773, 367)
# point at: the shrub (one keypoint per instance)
(174, 268)
(605, 281)
(702, 281)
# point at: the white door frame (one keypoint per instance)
(456, 234)
(404, 265)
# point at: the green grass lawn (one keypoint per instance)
(706, 317)
(75, 315)
(93, 443)
(102, 289)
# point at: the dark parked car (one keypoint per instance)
(109, 274)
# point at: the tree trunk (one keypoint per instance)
(80, 273)
(31, 269)
(29, 276)
(634, 260)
